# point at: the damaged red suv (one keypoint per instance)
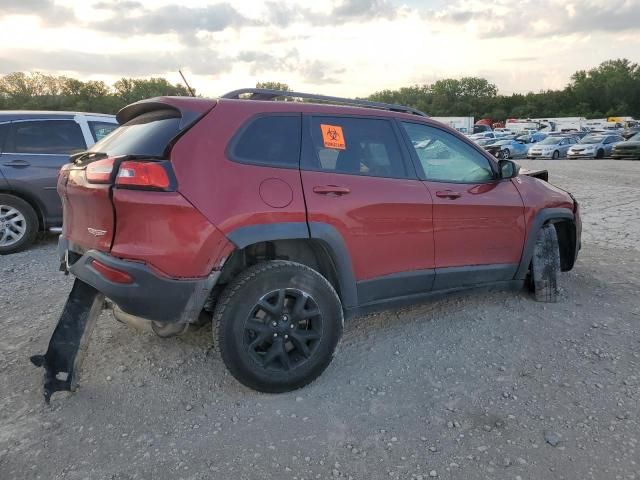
(282, 218)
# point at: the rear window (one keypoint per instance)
(271, 140)
(147, 134)
(99, 130)
(48, 137)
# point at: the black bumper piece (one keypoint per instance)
(68, 344)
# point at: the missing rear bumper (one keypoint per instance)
(68, 344)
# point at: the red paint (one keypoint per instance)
(386, 223)
(163, 230)
(276, 193)
(88, 211)
(479, 225)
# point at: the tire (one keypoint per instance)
(505, 154)
(545, 265)
(600, 154)
(279, 323)
(556, 155)
(18, 224)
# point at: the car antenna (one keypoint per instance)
(187, 84)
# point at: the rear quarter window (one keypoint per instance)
(270, 140)
(99, 130)
(148, 134)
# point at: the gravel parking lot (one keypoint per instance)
(487, 386)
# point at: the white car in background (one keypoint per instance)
(594, 146)
(552, 147)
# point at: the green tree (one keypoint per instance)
(274, 86)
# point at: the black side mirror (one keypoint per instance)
(508, 169)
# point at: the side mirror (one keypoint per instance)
(508, 169)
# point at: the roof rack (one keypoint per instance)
(267, 94)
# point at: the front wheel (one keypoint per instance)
(545, 265)
(279, 323)
(600, 154)
(505, 154)
(556, 155)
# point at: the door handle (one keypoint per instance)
(331, 190)
(448, 194)
(17, 163)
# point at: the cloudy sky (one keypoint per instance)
(340, 47)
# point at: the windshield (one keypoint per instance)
(550, 141)
(148, 134)
(591, 140)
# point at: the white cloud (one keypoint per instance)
(343, 47)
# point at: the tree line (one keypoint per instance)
(610, 89)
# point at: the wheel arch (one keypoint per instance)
(32, 201)
(316, 245)
(563, 219)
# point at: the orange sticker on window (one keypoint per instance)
(332, 137)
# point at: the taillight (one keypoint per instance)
(100, 171)
(143, 175)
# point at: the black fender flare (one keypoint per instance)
(544, 216)
(327, 234)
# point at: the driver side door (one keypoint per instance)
(478, 218)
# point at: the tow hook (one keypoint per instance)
(68, 344)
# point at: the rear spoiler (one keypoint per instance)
(541, 174)
(190, 109)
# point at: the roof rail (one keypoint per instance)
(267, 94)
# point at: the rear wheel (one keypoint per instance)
(18, 224)
(278, 326)
(545, 265)
(556, 155)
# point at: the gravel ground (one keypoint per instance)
(486, 386)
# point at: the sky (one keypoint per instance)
(334, 47)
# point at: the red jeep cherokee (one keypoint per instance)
(282, 218)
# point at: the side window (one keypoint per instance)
(272, 140)
(356, 146)
(99, 130)
(4, 129)
(444, 158)
(53, 137)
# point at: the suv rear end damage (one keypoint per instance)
(120, 198)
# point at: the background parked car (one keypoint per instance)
(631, 131)
(594, 146)
(504, 149)
(552, 147)
(532, 137)
(33, 147)
(629, 150)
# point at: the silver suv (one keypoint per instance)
(33, 147)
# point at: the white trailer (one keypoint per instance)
(462, 124)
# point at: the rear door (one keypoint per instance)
(357, 179)
(34, 151)
(478, 219)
